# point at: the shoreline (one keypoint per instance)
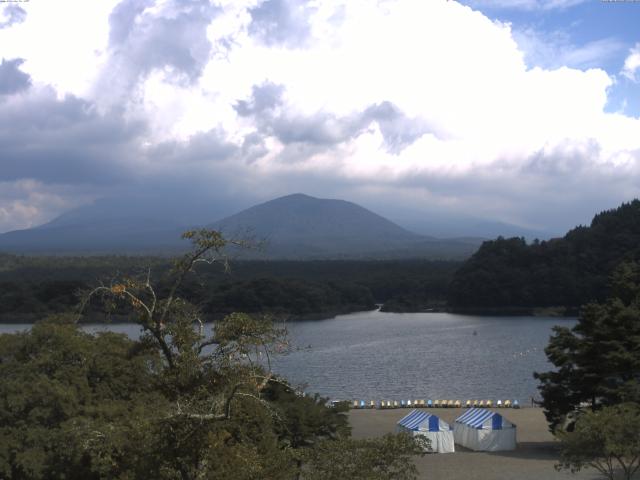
(93, 318)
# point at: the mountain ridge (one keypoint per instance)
(297, 226)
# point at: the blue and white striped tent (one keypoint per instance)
(484, 430)
(439, 433)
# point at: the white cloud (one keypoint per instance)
(552, 50)
(62, 47)
(632, 63)
(428, 102)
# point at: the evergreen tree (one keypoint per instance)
(598, 360)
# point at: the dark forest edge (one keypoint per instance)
(33, 287)
(569, 271)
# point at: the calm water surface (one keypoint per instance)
(379, 355)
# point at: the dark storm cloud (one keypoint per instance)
(12, 80)
(281, 22)
(269, 111)
(12, 15)
(175, 38)
(65, 141)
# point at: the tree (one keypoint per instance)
(177, 404)
(598, 360)
(368, 459)
(73, 405)
(606, 440)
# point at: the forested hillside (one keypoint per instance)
(568, 271)
(31, 287)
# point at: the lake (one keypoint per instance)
(381, 355)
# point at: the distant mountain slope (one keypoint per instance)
(296, 227)
(450, 225)
(108, 236)
(317, 225)
(122, 225)
(300, 226)
(568, 271)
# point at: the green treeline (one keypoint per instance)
(31, 287)
(569, 271)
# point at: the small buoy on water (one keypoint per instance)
(475, 333)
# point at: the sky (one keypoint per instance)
(518, 111)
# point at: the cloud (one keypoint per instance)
(65, 140)
(387, 103)
(11, 15)
(153, 35)
(526, 4)
(264, 98)
(632, 63)
(273, 117)
(204, 147)
(281, 22)
(555, 49)
(12, 80)
(398, 130)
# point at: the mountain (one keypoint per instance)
(123, 225)
(295, 227)
(301, 226)
(452, 225)
(109, 236)
(568, 271)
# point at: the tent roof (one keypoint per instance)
(415, 419)
(479, 418)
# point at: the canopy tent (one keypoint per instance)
(484, 430)
(430, 426)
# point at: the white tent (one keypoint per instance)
(423, 423)
(484, 430)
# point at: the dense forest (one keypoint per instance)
(568, 271)
(31, 287)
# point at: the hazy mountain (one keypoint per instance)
(300, 226)
(118, 235)
(123, 225)
(295, 226)
(448, 226)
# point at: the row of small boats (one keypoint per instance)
(386, 404)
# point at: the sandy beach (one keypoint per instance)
(534, 459)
